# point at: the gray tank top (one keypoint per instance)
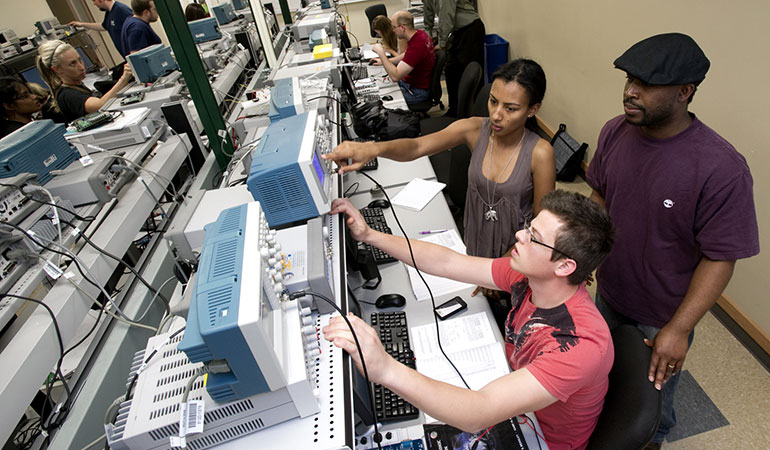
(513, 199)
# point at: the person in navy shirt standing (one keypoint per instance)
(115, 14)
(137, 33)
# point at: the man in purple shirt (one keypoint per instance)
(681, 198)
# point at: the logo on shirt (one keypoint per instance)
(558, 320)
(668, 203)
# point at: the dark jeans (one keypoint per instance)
(668, 416)
(465, 45)
(413, 94)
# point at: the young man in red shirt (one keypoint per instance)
(411, 70)
(556, 341)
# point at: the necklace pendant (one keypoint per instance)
(491, 215)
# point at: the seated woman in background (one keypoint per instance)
(511, 167)
(194, 11)
(47, 110)
(61, 68)
(384, 29)
(18, 105)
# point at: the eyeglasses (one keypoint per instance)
(532, 239)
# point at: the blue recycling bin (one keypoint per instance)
(495, 54)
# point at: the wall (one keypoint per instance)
(21, 19)
(576, 43)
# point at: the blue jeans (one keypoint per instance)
(668, 416)
(413, 94)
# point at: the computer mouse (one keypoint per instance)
(390, 301)
(379, 203)
(387, 98)
(372, 62)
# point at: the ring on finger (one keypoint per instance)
(671, 366)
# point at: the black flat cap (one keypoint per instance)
(665, 59)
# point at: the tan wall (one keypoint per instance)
(20, 16)
(576, 43)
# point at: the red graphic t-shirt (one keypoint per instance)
(420, 56)
(568, 349)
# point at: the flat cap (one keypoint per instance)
(665, 59)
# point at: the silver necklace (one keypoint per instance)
(491, 213)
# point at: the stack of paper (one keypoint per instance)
(470, 345)
(438, 285)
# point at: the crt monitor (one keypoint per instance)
(32, 75)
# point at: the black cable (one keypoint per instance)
(299, 294)
(64, 409)
(43, 202)
(414, 264)
(147, 360)
(327, 96)
(353, 186)
(50, 249)
(537, 435)
(120, 261)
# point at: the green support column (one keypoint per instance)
(186, 54)
(285, 11)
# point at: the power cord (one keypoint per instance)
(43, 202)
(125, 264)
(63, 409)
(414, 264)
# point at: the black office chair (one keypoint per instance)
(374, 11)
(469, 84)
(435, 87)
(481, 104)
(632, 406)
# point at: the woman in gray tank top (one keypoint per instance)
(511, 168)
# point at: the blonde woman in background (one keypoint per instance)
(384, 29)
(61, 68)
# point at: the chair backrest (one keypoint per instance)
(435, 77)
(632, 406)
(480, 105)
(469, 82)
(374, 11)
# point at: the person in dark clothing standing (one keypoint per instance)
(137, 33)
(461, 34)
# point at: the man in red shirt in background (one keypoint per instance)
(412, 70)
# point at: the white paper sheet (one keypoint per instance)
(417, 194)
(438, 285)
(470, 345)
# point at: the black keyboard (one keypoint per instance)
(375, 218)
(372, 164)
(394, 335)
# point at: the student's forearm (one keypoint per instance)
(436, 259)
(508, 396)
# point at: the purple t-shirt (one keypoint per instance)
(672, 201)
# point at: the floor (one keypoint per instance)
(725, 392)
